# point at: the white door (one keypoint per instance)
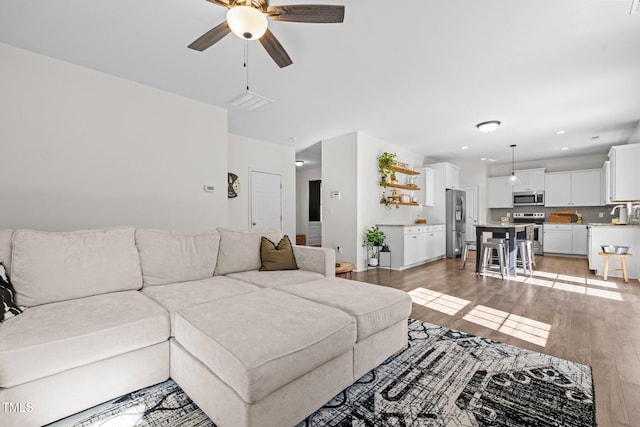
(265, 205)
(472, 210)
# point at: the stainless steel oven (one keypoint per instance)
(536, 218)
(528, 198)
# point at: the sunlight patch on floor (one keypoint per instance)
(437, 301)
(520, 327)
(579, 285)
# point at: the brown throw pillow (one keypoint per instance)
(277, 257)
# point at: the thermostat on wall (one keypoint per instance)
(208, 188)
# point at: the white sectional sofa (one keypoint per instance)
(112, 311)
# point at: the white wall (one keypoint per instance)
(83, 149)
(247, 154)
(339, 161)
(302, 197)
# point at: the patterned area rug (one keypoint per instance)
(445, 378)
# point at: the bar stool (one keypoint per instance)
(524, 256)
(468, 244)
(487, 255)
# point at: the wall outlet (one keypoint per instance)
(508, 214)
(600, 214)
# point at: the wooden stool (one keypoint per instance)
(344, 270)
(623, 265)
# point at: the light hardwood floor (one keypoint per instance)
(564, 310)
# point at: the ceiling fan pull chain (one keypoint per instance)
(246, 60)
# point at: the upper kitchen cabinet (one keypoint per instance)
(530, 180)
(499, 192)
(624, 172)
(426, 181)
(445, 176)
(575, 188)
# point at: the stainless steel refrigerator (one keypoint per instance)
(455, 219)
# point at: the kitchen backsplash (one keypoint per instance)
(589, 213)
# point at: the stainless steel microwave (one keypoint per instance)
(528, 198)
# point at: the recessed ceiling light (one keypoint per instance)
(564, 148)
(464, 147)
(492, 160)
(483, 158)
(560, 132)
(488, 126)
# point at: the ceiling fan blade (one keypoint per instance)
(314, 13)
(224, 3)
(275, 49)
(211, 37)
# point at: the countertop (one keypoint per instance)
(608, 224)
(409, 225)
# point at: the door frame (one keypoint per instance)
(250, 196)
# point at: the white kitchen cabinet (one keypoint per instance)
(435, 242)
(575, 188)
(411, 245)
(558, 238)
(566, 239)
(605, 189)
(530, 180)
(426, 183)
(499, 193)
(624, 172)
(579, 240)
(446, 176)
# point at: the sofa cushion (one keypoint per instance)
(5, 249)
(50, 267)
(374, 307)
(177, 296)
(261, 341)
(274, 279)
(8, 307)
(240, 250)
(277, 257)
(170, 257)
(52, 338)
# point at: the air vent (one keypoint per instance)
(249, 101)
(635, 7)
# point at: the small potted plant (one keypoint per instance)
(373, 238)
(384, 161)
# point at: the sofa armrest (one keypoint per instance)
(319, 260)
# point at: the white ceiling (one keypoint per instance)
(417, 73)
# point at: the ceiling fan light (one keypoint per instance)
(247, 22)
(489, 126)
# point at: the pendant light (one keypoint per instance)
(513, 179)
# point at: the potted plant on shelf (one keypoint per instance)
(373, 238)
(384, 161)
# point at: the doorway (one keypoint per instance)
(265, 203)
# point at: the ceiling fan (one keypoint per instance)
(248, 20)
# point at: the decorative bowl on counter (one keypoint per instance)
(618, 250)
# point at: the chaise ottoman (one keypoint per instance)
(265, 358)
(380, 313)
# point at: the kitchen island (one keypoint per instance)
(617, 235)
(507, 230)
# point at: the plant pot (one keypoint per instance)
(373, 262)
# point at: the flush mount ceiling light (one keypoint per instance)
(247, 22)
(489, 126)
(513, 179)
(299, 163)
